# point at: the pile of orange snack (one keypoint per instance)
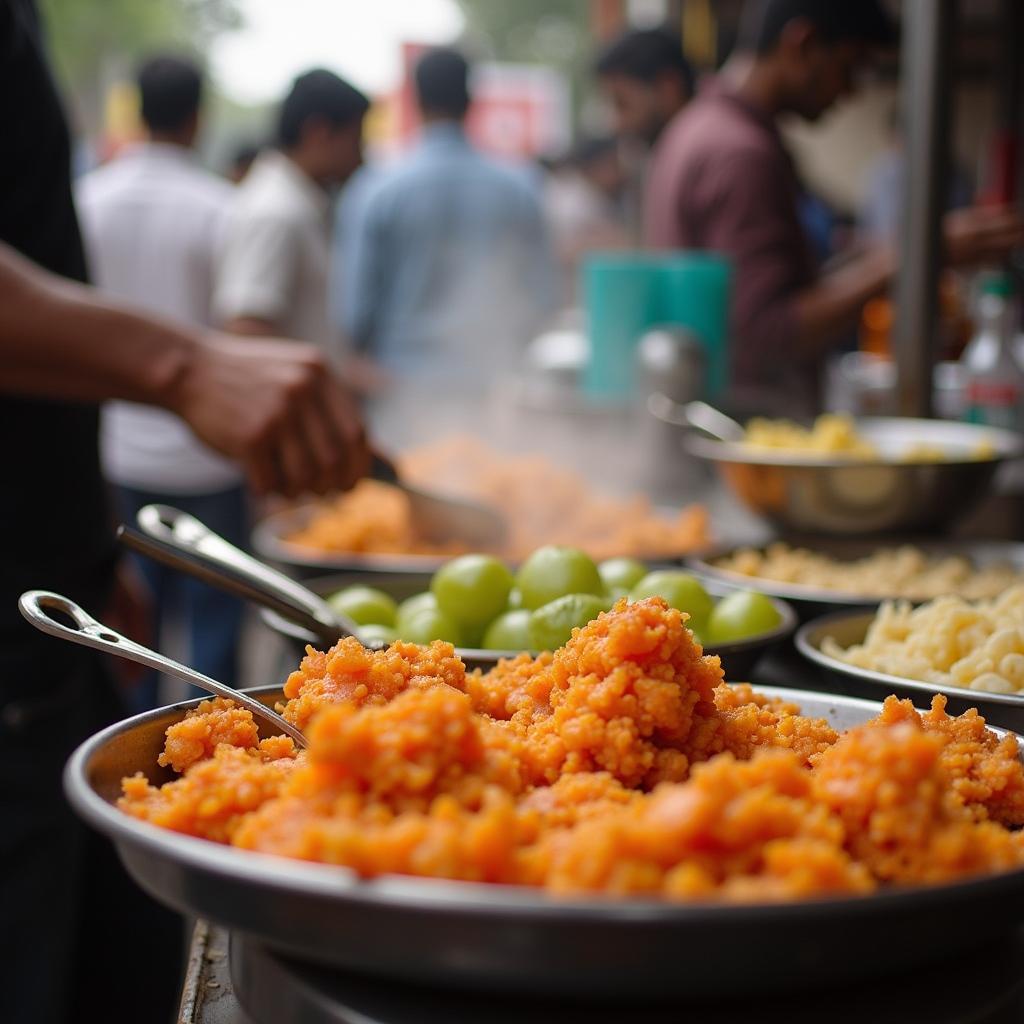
(621, 764)
(541, 502)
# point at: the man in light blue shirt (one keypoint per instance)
(443, 268)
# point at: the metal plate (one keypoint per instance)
(815, 600)
(738, 657)
(477, 936)
(847, 497)
(848, 628)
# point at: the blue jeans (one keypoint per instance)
(212, 619)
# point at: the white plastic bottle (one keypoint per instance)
(995, 378)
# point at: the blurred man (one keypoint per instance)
(722, 179)
(444, 266)
(272, 278)
(152, 222)
(647, 80)
(79, 939)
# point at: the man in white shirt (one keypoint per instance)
(153, 221)
(273, 274)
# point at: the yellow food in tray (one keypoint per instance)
(834, 435)
(904, 572)
(949, 642)
(831, 434)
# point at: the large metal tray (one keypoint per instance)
(813, 601)
(508, 938)
(738, 657)
(848, 628)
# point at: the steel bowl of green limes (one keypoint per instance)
(490, 612)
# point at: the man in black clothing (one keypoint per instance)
(78, 938)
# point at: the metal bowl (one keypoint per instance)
(811, 602)
(738, 657)
(848, 628)
(506, 938)
(848, 497)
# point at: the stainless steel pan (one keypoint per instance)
(810, 601)
(848, 628)
(513, 939)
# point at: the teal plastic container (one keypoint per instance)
(625, 294)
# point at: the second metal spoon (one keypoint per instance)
(89, 632)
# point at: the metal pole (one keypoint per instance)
(925, 74)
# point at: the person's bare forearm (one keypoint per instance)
(60, 339)
(251, 327)
(834, 303)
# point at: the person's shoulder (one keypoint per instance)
(208, 183)
(99, 185)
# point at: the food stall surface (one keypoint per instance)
(224, 975)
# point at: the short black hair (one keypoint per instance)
(170, 90)
(836, 21)
(442, 82)
(645, 55)
(318, 93)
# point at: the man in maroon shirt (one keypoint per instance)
(722, 180)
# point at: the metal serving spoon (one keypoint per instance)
(695, 414)
(441, 519)
(182, 542)
(88, 632)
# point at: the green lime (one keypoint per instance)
(509, 632)
(680, 590)
(741, 615)
(552, 624)
(365, 605)
(373, 632)
(473, 589)
(430, 624)
(621, 574)
(555, 571)
(515, 599)
(411, 605)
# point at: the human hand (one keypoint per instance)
(980, 234)
(276, 407)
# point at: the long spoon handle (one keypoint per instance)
(35, 605)
(184, 543)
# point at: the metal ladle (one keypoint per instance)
(443, 519)
(87, 631)
(182, 542)
(696, 414)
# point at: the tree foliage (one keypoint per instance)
(552, 32)
(85, 33)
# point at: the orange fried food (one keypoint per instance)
(542, 503)
(888, 786)
(622, 696)
(985, 773)
(350, 673)
(747, 830)
(620, 764)
(213, 797)
(205, 727)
